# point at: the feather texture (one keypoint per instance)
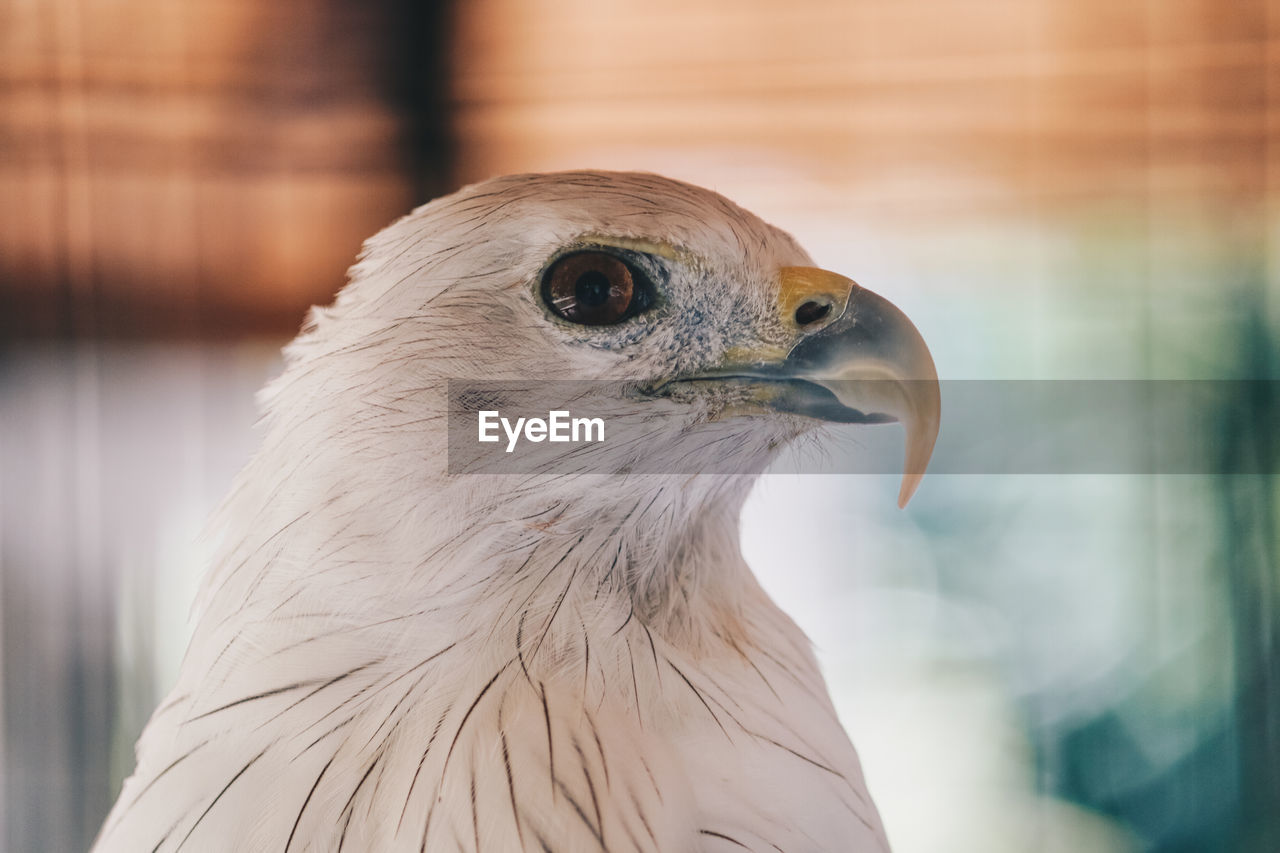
(388, 657)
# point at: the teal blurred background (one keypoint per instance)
(1050, 189)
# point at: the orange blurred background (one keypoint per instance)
(209, 168)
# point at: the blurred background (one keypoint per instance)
(1051, 189)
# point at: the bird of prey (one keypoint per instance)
(392, 655)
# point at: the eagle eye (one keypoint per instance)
(594, 288)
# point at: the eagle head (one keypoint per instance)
(704, 338)
(398, 650)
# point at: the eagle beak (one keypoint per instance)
(856, 359)
(868, 355)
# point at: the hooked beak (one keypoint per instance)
(857, 359)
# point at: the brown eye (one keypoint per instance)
(593, 288)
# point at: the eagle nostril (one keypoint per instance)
(811, 312)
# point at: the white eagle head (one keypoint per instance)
(711, 338)
(398, 652)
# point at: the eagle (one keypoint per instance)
(393, 654)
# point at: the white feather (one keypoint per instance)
(388, 657)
